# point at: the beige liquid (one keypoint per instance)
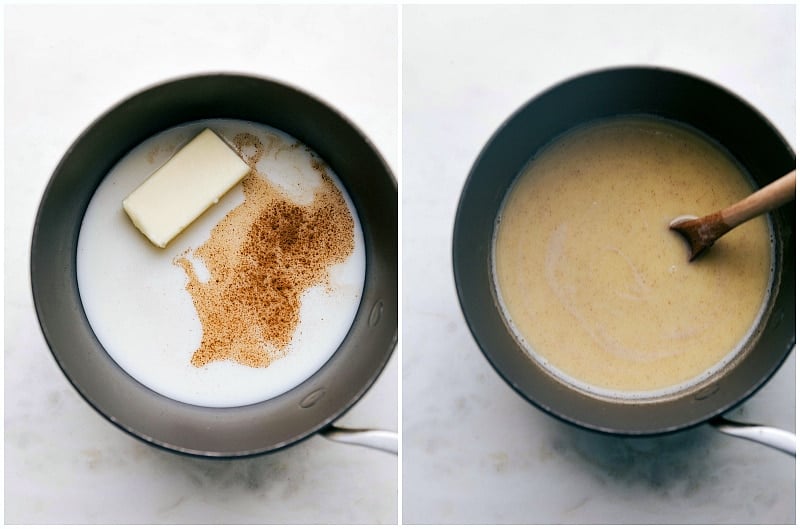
(595, 285)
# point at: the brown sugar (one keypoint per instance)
(261, 258)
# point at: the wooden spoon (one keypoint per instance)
(702, 232)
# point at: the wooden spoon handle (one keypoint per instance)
(765, 199)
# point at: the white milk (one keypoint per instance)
(134, 296)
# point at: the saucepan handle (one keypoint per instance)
(766, 435)
(378, 439)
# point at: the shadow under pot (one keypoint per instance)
(245, 429)
(635, 93)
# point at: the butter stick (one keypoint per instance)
(178, 192)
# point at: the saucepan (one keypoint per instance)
(734, 124)
(310, 407)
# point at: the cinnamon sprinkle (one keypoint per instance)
(261, 258)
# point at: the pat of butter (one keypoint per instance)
(183, 188)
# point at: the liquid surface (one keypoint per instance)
(595, 285)
(251, 299)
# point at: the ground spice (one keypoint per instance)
(261, 258)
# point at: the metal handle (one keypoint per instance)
(766, 435)
(377, 439)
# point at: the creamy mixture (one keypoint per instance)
(595, 285)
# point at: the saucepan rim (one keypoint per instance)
(388, 275)
(479, 302)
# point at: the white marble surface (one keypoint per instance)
(474, 451)
(63, 67)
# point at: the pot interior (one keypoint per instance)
(166, 423)
(674, 96)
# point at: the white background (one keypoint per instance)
(474, 451)
(63, 67)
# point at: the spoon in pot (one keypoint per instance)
(701, 233)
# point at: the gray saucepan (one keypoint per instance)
(686, 99)
(310, 407)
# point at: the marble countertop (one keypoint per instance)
(63, 67)
(473, 450)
